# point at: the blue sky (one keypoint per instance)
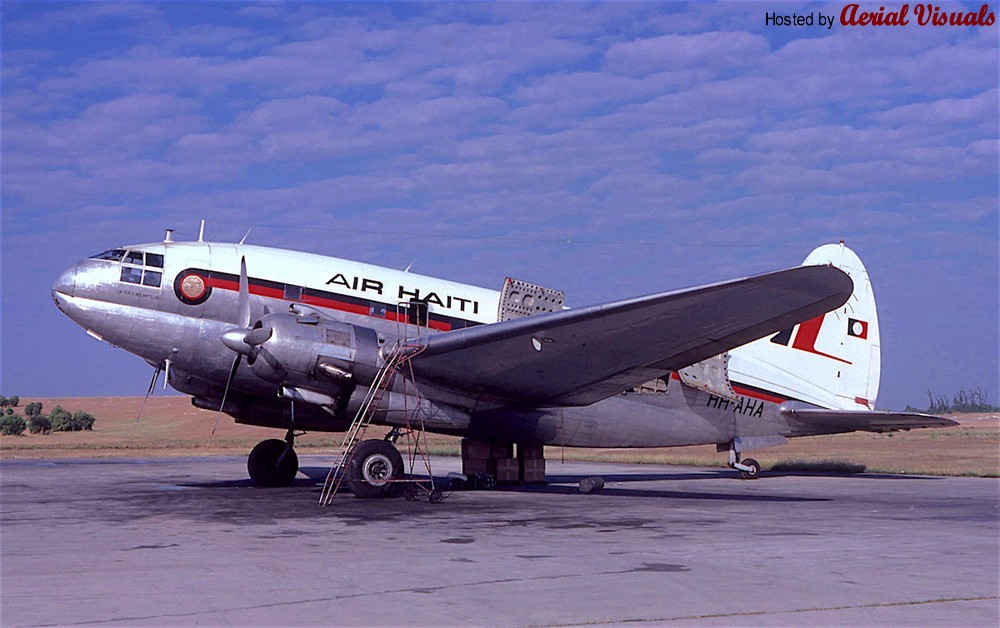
(607, 150)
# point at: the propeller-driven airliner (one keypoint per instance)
(295, 341)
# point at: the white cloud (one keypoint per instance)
(612, 122)
(721, 51)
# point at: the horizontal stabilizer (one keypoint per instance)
(836, 421)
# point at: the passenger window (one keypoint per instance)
(154, 260)
(134, 257)
(151, 278)
(131, 275)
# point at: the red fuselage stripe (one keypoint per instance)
(747, 392)
(308, 299)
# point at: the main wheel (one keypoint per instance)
(373, 467)
(269, 465)
(754, 471)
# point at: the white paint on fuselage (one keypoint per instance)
(339, 276)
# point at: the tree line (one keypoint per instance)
(33, 420)
(974, 400)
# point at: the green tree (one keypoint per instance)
(38, 424)
(13, 401)
(83, 421)
(12, 425)
(61, 419)
(33, 409)
(972, 400)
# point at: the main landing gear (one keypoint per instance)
(273, 462)
(375, 469)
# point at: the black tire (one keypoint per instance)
(754, 471)
(373, 467)
(410, 494)
(435, 497)
(266, 466)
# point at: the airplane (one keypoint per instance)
(290, 340)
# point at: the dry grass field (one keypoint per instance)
(171, 426)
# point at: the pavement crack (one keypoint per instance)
(334, 598)
(640, 620)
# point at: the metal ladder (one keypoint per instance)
(355, 433)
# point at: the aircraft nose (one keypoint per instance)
(66, 282)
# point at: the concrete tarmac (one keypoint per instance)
(189, 541)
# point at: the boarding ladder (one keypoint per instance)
(399, 354)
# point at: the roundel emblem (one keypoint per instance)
(857, 328)
(191, 287)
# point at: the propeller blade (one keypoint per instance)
(152, 385)
(257, 337)
(232, 373)
(244, 300)
(271, 361)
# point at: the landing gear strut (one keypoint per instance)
(749, 469)
(273, 462)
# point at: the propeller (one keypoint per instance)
(244, 340)
(152, 385)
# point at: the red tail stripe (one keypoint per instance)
(805, 340)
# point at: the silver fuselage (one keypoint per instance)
(142, 304)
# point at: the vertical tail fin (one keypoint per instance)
(834, 360)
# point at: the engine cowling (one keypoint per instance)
(315, 354)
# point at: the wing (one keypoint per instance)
(865, 420)
(579, 356)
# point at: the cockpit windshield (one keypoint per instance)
(114, 255)
(137, 267)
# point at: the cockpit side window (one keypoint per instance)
(114, 255)
(131, 274)
(139, 268)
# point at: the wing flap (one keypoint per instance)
(866, 420)
(579, 356)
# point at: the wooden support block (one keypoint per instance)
(501, 450)
(508, 471)
(471, 466)
(534, 477)
(525, 451)
(476, 449)
(532, 470)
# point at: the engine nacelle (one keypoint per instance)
(316, 354)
